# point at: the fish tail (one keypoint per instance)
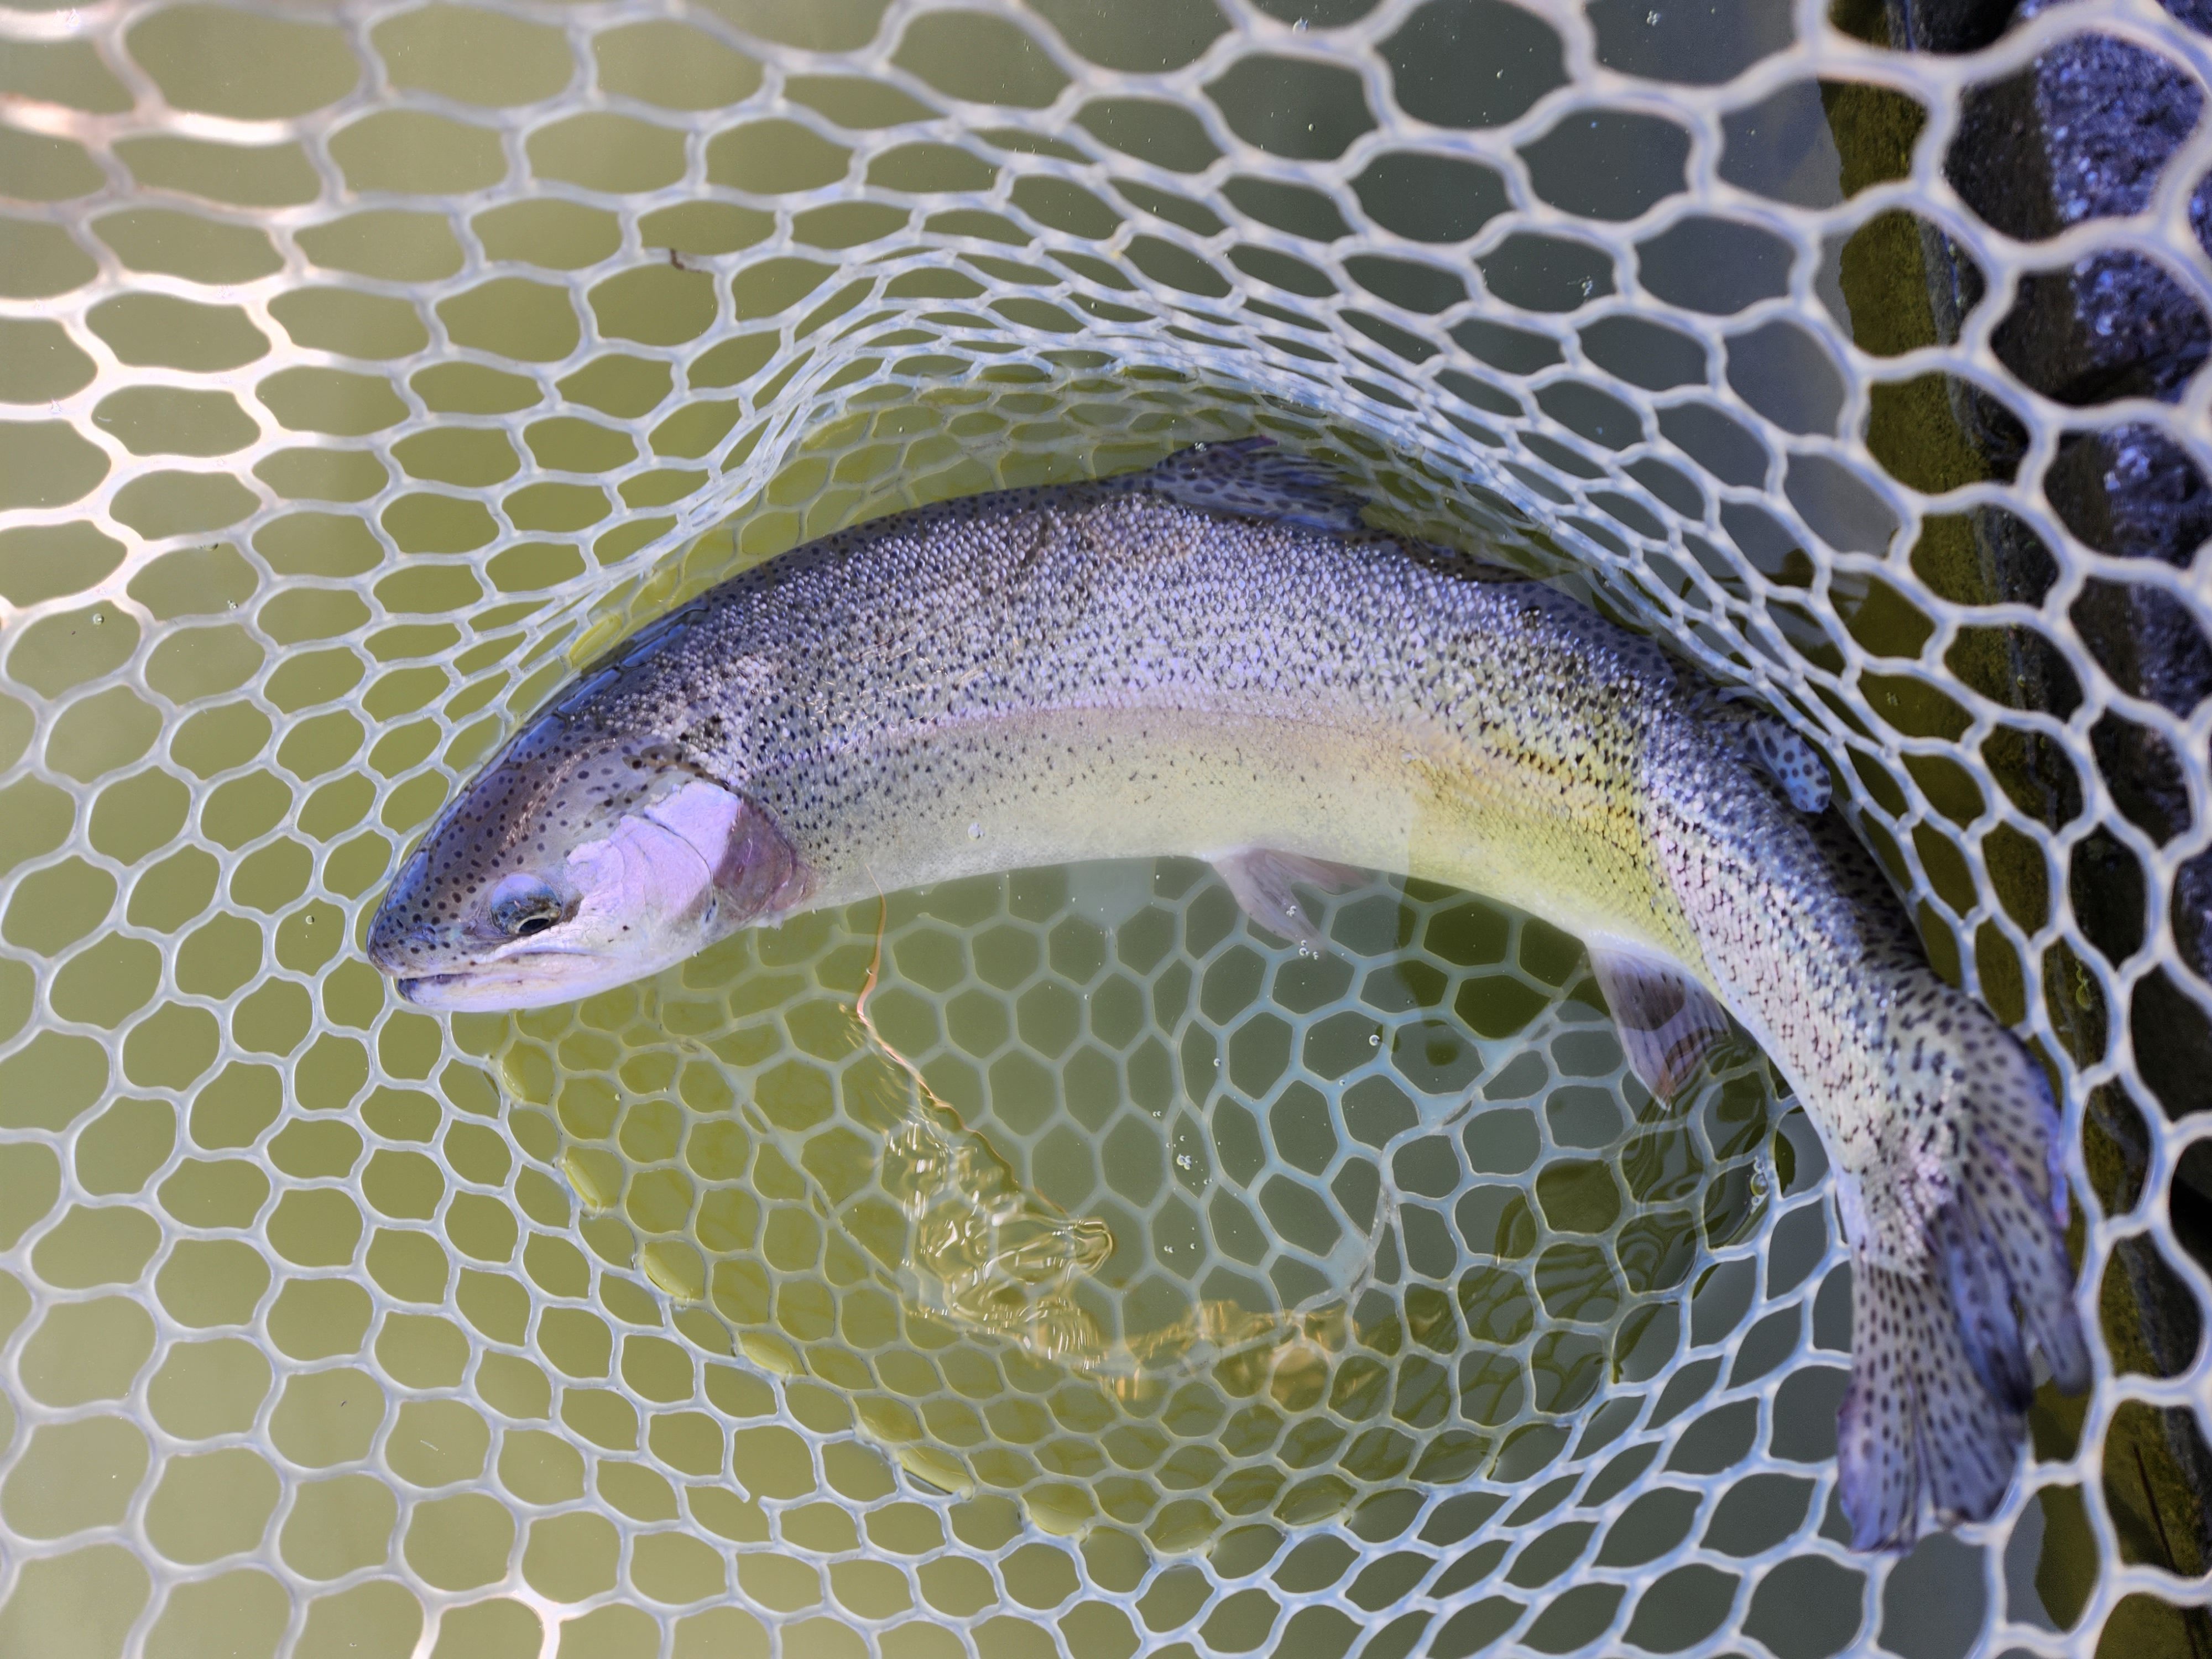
(1942, 1330)
(1915, 1421)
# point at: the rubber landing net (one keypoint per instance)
(368, 367)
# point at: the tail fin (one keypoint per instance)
(1940, 1377)
(1915, 1419)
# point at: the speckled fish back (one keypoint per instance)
(881, 684)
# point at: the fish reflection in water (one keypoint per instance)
(991, 1257)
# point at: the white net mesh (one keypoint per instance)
(370, 366)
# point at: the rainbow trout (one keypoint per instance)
(1216, 658)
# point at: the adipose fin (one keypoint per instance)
(1774, 745)
(1790, 761)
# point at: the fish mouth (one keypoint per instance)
(422, 988)
(539, 979)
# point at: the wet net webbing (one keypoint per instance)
(366, 367)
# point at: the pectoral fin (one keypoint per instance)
(1261, 879)
(1667, 1021)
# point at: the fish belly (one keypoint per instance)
(1383, 793)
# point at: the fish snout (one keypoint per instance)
(401, 946)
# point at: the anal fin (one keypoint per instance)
(1667, 1021)
(1261, 879)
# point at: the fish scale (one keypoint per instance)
(1216, 658)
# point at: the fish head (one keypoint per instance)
(578, 860)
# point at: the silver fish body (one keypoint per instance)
(1215, 658)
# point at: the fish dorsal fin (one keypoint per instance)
(1261, 878)
(1667, 1021)
(1790, 761)
(1251, 478)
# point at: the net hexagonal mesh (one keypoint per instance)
(370, 366)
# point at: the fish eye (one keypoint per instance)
(523, 905)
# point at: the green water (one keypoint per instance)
(1393, 1217)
